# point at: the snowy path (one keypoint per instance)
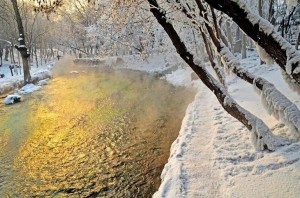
(213, 157)
(191, 161)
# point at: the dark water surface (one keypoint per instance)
(94, 134)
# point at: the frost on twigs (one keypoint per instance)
(262, 138)
(293, 60)
(264, 55)
(291, 82)
(280, 107)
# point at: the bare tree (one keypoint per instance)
(22, 44)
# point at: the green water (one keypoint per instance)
(94, 134)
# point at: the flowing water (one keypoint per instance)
(94, 134)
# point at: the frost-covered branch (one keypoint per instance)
(262, 32)
(282, 103)
(261, 135)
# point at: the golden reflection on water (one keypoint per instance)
(103, 134)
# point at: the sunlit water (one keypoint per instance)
(94, 134)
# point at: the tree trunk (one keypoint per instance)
(282, 103)
(36, 58)
(260, 8)
(6, 53)
(12, 55)
(260, 11)
(298, 42)
(1, 55)
(219, 71)
(22, 47)
(244, 48)
(262, 136)
(271, 18)
(19, 61)
(276, 46)
(238, 41)
(229, 34)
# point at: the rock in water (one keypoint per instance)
(11, 99)
(74, 72)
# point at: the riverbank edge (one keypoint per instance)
(17, 83)
(177, 73)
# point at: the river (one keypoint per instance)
(99, 133)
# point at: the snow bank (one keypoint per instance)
(180, 77)
(9, 84)
(29, 88)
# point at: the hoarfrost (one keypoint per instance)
(264, 55)
(262, 137)
(280, 107)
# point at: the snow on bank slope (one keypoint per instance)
(213, 155)
(9, 83)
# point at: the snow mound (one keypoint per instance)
(74, 72)
(29, 88)
(43, 82)
(180, 77)
(11, 99)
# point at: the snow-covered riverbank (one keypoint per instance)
(213, 155)
(10, 83)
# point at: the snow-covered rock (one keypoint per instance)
(74, 72)
(11, 99)
(43, 82)
(29, 88)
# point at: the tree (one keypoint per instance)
(22, 44)
(178, 17)
(263, 33)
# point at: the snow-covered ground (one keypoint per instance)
(10, 83)
(213, 155)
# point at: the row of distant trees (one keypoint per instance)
(77, 28)
(130, 30)
(25, 35)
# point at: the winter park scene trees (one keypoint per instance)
(150, 98)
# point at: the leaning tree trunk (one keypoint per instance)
(263, 33)
(22, 44)
(261, 135)
(281, 105)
